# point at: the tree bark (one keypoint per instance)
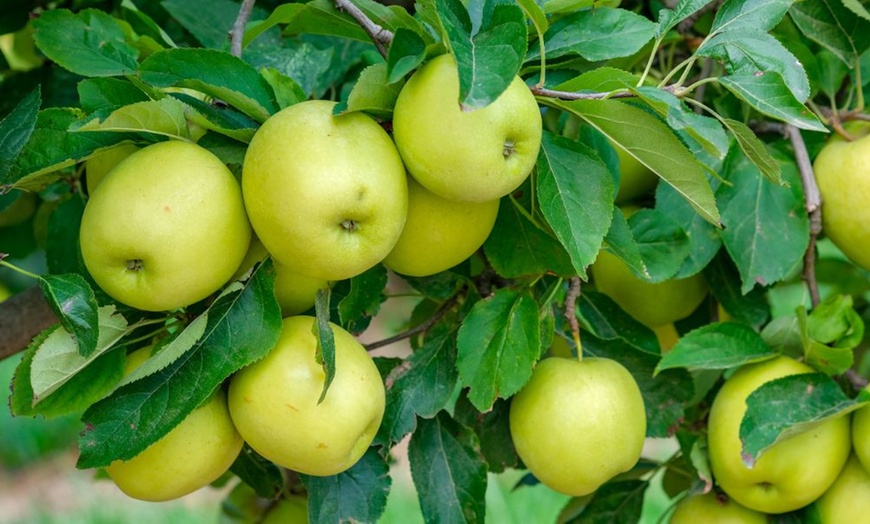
(22, 317)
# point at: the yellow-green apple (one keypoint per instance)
(848, 499)
(292, 509)
(861, 434)
(790, 474)
(275, 402)
(635, 179)
(295, 293)
(327, 195)
(439, 233)
(577, 424)
(19, 50)
(166, 229)
(21, 207)
(473, 156)
(714, 508)
(99, 165)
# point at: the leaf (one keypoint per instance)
(325, 352)
(215, 73)
(703, 239)
(365, 296)
(492, 429)
(620, 241)
(662, 243)
(407, 51)
(759, 15)
(723, 279)
(766, 225)
(164, 117)
(498, 344)
(856, 7)
(243, 326)
(669, 18)
(769, 94)
(108, 93)
(596, 34)
(266, 479)
(220, 119)
(615, 502)
(487, 57)
(830, 24)
(73, 301)
(600, 315)
(754, 149)
(716, 346)
(356, 495)
(448, 472)
(62, 247)
(535, 13)
(317, 17)
(15, 130)
(89, 43)
(209, 21)
(373, 94)
(653, 144)
(575, 191)
(789, 406)
(287, 91)
(830, 333)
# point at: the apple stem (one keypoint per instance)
(571, 313)
(18, 269)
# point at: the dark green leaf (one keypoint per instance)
(704, 239)
(619, 502)
(220, 119)
(209, 21)
(724, 280)
(831, 24)
(760, 15)
(325, 352)
(620, 240)
(74, 303)
(448, 471)
(108, 93)
(754, 150)
(669, 18)
(16, 129)
(492, 429)
(365, 295)
(769, 94)
(262, 475)
(596, 34)
(407, 51)
(316, 17)
(716, 346)
(662, 243)
(62, 249)
(356, 495)
(600, 315)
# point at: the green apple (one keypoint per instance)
(295, 293)
(653, 304)
(327, 195)
(473, 156)
(166, 229)
(275, 402)
(292, 509)
(714, 508)
(839, 169)
(21, 206)
(99, 165)
(861, 434)
(439, 233)
(791, 473)
(848, 499)
(19, 50)
(577, 424)
(635, 179)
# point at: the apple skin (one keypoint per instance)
(711, 508)
(166, 229)
(274, 402)
(191, 456)
(292, 509)
(848, 499)
(577, 424)
(327, 195)
(635, 179)
(20, 210)
(839, 169)
(861, 434)
(439, 233)
(460, 155)
(99, 165)
(295, 293)
(791, 473)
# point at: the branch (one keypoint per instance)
(571, 313)
(813, 202)
(238, 31)
(380, 36)
(419, 328)
(22, 317)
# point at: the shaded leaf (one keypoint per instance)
(618, 502)
(15, 130)
(356, 495)
(669, 18)
(73, 301)
(108, 93)
(266, 479)
(831, 24)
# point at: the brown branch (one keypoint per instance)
(855, 378)
(380, 37)
(571, 312)
(22, 317)
(419, 328)
(238, 31)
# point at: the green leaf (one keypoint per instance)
(215, 73)
(716, 346)
(108, 93)
(788, 406)
(856, 7)
(493, 431)
(766, 225)
(498, 344)
(62, 247)
(448, 471)
(653, 144)
(144, 25)
(760, 15)
(769, 94)
(669, 18)
(831, 24)
(356, 495)
(266, 479)
(15, 130)
(620, 241)
(600, 80)
(89, 43)
(535, 14)
(219, 118)
(488, 57)
(614, 502)
(243, 326)
(830, 333)
(373, 94)
(724, 281)
(754, 149)
(365, 296)
(600, 315)
(209, 21)
(325, 352)
(596, 34)
(575, 191)
(287, 91)
(73, 301)
(407, 51)
(704, 240)
(317, 17)
(662, 243)
(164, 117)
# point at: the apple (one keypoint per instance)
(166, 229)
(292, 509)
(861, 434)
(327, 195)
(653, 304)
(839, 169)
(19, 50)
(577, 424)
(21, 208)
(635, 179)
(848, 499)
(790, 474)
(275, 402)
(714, 508)
(99, 165)
(667, 335)
(472, 156)
(295, 293)
(439, 233)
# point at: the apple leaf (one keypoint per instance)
(788, 406)
(88, 43)
(831, 24)
(220, 119)
(620, 241)
(364, 298)
(669, 18)
(215, 73)
(208, 21)
(164, 117)
(73, 301)
(830, 333)
(420, 386)
(755, 150)
(600, 315)
(317, 17)
(497, 346)
(661, 241)
(492, 429)
(356, 495)
(489, 55)
(703, 239)
(287, 91)
(62, 248)
(596, 34)
(724, 281)
(15, 130)
(448, 471)
(373, 94)
(325, 352)
(766, 225)
(263, 476)
(108, 94)
(716, 346)
(518, 247)
(407, 51)
(769, 94)
(243, 326)
(616, 501)
(760, 15)
(575, 191)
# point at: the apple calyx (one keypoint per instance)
(509, 148)
(350, 225)
(135, 264)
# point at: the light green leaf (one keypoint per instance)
(407, 51)
(373, 94)
(754, 149)
(669, 18)
(760, 15)
(769, 94)
(717, 346)
(165, 117)
(858, 8)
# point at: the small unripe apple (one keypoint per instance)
(714, 508)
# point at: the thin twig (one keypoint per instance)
(380, 36)
(855, 378)
(572, 95)
(571, 313)
(419, 328)
(238, 31)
